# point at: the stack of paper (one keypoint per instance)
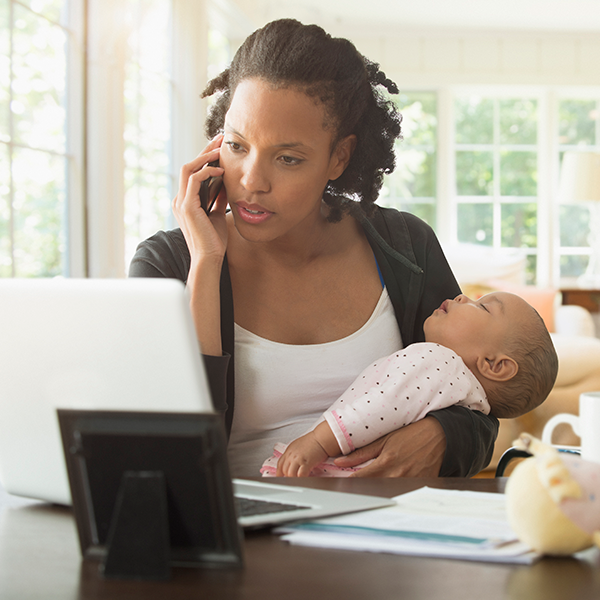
(426, 522)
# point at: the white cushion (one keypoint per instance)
(578, 357)
(574, 320)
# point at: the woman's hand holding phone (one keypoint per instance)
(205, 233)
(203, 227)
(210, 189)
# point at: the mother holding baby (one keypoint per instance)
(305, 281)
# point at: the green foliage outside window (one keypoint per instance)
(475, 223)
(574, 225)
(519, 225)
(474, 173)
(572, 266)
(496, 158)
(412, 186)
(578, 122)
(518, 121)
(518, 173)
(33, 161)
(474, 120)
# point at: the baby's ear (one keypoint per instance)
(497, 368)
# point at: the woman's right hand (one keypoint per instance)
(206, 238)
(205, 235)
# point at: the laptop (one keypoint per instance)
(110, 345)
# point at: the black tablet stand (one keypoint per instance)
(138, 538)
(151, 491)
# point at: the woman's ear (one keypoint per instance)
(341, 156)
(497, 368)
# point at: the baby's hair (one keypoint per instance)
(531, 346)
(286, 53)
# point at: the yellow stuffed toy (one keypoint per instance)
(553, 499)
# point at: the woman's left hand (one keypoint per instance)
(413, 451)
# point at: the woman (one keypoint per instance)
(321, 281)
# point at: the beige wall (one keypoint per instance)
(434, 58)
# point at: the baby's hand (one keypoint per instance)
(300, 457)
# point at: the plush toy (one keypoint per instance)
(553, 499)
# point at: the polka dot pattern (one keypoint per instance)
(400, 389)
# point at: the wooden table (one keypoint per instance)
(588, 298)
(39, 559)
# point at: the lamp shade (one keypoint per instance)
(580, 177)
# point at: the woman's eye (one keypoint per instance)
(234, 146)
(290, 160)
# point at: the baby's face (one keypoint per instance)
(472, 328)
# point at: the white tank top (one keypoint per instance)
(281, 390)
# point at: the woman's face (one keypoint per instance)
(277, 158)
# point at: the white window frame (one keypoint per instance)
(548, 148)
(76, 234)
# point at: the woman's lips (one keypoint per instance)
(252, 213)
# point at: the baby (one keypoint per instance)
(493, 355)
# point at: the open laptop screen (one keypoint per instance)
(97, 344)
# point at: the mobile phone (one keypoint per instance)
(210, 188)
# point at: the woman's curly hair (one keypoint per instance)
(289, 53)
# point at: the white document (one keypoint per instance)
(427, 522)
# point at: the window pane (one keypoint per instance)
(38, 86)
(147, 124)
(39, 204)
(416, 160)
(474, 173)
(531, 270)
(414, 176)
(573, 266)
(518, 173)
(519, 225)
(219, 53)
(147, 131)
(518, 121)
(419, 119)
(475, 224)
(4, 71)
(474, 120)
(49, 8)
(425, 211)
(574, 225)
(5, 241)
(148, 203)
(577, 121)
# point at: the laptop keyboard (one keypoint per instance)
(248, 507)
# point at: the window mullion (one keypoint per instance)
(446, 167)
(496, 199)
(189, 55)
(11, 129)
(105, 164)
(76, 255)
(547, 182)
